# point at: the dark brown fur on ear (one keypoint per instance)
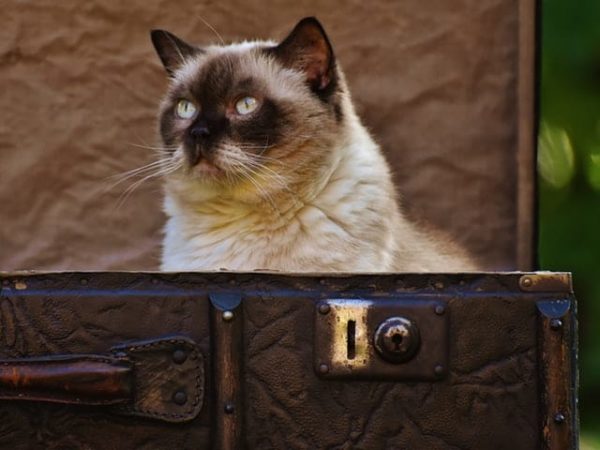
(171, 50)
(308, 49)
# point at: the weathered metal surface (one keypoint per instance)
(345, 338)
(397, 339)
(264, 389)
(546, 282)
(557, 347)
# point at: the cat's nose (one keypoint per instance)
(200, 131)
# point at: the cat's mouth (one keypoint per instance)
(207, 168)
(203, 163)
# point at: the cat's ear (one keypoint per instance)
(308, 49)
(171, 50)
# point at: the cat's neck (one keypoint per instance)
(267, 211)
(270, 210)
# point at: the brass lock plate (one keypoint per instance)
(391, 339)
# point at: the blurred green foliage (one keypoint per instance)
(569, 168)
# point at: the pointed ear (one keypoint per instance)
(307, 49)
(171, 50)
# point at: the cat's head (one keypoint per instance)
(256, 114)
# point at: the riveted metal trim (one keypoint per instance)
(546, 282)
(227, 356)
(557, 353)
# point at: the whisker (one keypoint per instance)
(209, 26)
(161, 172)
(148, 147)
(250, 169)
(265, 195)
(121, 177)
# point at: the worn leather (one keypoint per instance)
(77, 379)
(489, 400)
(141, 378)
(86, 313)
(159, 376)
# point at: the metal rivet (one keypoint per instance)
(179, 356)
(324, 308)
(154, 281)
(83, 281)
(440, 310)
(559, 418)
(556, 324)
(229, 408)
(180, 397)
(438, 370)
(525, 282)
(323, 368)
(322, 281)
(227, 316)
(439, 285)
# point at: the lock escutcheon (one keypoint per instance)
(397, 339)
(345, 344)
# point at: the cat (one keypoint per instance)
(269, 167)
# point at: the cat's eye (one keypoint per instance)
(246, 105)
(185, 109)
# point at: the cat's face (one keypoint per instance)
(258, 114)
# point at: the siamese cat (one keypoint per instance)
(269, 167)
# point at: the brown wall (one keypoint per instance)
(435, 81)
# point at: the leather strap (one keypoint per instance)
(78, 379)
(160, 378)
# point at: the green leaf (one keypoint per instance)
(556, 159)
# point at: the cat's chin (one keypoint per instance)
(208, 171)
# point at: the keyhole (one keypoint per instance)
(397, 340)
(351, 339)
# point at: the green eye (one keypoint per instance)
(246, 105)
(185, 109)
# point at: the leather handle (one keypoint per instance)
(160, 378)
(75, 379)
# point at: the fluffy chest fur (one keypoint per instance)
(336, 226)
